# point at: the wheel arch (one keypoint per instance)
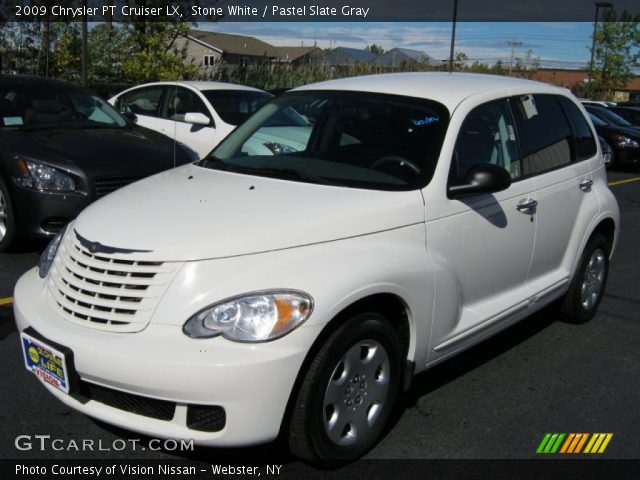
(390, 305)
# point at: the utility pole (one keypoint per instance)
(513, 43)
(453, 34)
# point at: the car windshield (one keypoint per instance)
(611, 118)
(42, 107)
(235, 106)
(350, 139)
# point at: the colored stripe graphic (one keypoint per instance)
(550, 443)
(553, 443)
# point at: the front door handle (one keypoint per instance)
(527, 205)
(586, 185)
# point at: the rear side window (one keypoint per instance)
(544, 133)
(585, 143)
(143, 101)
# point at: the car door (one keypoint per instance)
(146, 103)
(179, 102)
(481, 244)
(560, 164)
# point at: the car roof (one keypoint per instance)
(202, 85)
(447, 88)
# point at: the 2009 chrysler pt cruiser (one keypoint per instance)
(348, 235)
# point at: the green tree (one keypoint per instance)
(375, 49)
(615, 53)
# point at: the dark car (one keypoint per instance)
(624, 142)
(61, 148)
(609, 117)
(630, 114)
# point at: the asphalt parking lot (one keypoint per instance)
(494, 401)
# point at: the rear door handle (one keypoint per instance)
(586, 185)
(527, 205)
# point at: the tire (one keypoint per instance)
(348, 392)
(581, 302)
(7, 221)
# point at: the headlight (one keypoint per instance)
(42, 177)
(625, 142)
(279, 148)
(46, 259)
(255, 317)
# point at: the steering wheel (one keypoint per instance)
(398, 160)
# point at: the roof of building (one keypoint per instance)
(290, 54)
(447, 88)
(235, 44)
(396, 56)
(364, 56)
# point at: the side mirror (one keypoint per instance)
(196, 118)
(482, 178)
(126, 112)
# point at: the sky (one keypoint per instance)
(558, 44)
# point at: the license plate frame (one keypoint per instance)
(50, 362)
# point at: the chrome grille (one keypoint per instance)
(107, 292)
(105, 185)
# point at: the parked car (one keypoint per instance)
(610, 117)
(597, 103)
(607, 151)
(197, 114)
(62, 147)
(623, 140)
(630, 114)
(302, 290)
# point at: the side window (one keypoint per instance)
(181, 101)
(487, 135)
(144, 101)
(545, 135)
(585, 144)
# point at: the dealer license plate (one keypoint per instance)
(46, 362)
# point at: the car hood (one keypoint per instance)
(98, 151)
(193, 213)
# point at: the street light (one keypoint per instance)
(599, 5)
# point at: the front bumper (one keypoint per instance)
(42, 214)
(252, 382)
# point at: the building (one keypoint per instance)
(399, 57)
(341, 56)
(211, 51)
(570, 78)
(301, 55)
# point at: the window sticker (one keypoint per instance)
(426, 120)
(529, 105)
(512, 133)
(12, 121)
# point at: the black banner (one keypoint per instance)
(584, 469)
(305, 11)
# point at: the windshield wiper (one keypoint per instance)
(289, 173)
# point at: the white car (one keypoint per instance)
(302, 290)
(197, 114)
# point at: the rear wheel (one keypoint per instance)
(7, 222)
(585, 293)
(348, 392)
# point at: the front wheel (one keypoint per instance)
(7, 222)
(585, 293)
(348, 391)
